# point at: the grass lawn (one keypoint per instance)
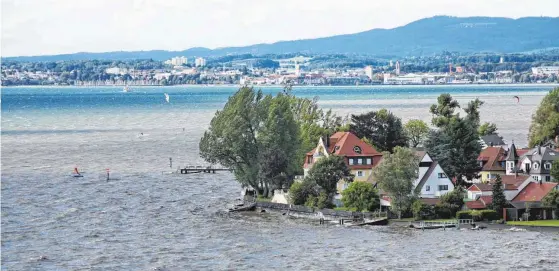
(543, 223)
(263, 199)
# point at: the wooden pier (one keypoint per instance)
(443, 224)
(200, 169)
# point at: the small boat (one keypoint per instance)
(76, 173)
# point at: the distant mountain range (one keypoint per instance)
(423, 37)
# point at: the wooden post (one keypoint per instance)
(170, 162)
(108, 171)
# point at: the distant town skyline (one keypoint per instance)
(35, 27)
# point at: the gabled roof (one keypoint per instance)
(481, 187)
(344, 143)
(492, 156)
(492, 140)
(477, 204)
(511, 182)
(426, 175)
(486, 199)
(535, 191)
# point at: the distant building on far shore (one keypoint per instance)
(545, 70)
(200, 62)
(369, 71)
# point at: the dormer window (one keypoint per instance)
(536, 165)
(357, 149)
(547, 165)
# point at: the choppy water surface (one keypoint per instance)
(146, 219)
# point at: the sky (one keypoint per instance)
(44, 27)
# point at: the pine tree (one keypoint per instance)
(456, 146)
(499, 199)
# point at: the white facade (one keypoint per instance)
(200, 62)
(369, 72)
(545, 70)
(178, 61)
(116, 70)
(434, 185)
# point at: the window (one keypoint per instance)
(535, 177)
(360, 161)
(309, 160)
(548, 178)
(536, 165)
(427, 188)
(359, 173)
(547, 165)
(345, 185)
(442, 175)
(488, 176)
(369, 161)
(351, 161)
(481, 163)
(357, 149)
(443, 187)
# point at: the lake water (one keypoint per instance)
(147, 220)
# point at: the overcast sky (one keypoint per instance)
(39, 27)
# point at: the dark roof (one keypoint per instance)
(492, 140)
(541, 155)
(512, 155)
(426, 175)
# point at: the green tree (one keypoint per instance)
(443, 111)
(313, 123)
(499, 199)
(362, 196)
(452, 201)
(545, 122)
(416, 131)
(381, 127)
(279, 145)
(231, 139)
(395, 174)
(487, 128)
(327, 171)
(554, 172)
(456, 146)
(421, 210)
(473, 111)
(299, 192)
(552, 200)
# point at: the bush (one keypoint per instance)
(489, 215)
(422, 211)
(463, 215)
(444, 210)
(476, 215)
(362, 196)
(299, 192)
(324, 201)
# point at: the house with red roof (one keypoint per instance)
(492, 162)
(359, 156)
(531, 197)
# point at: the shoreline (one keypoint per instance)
(294, 86)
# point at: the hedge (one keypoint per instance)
(478, 215)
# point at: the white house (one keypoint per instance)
(432, 181)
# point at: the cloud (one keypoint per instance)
(35, 27)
